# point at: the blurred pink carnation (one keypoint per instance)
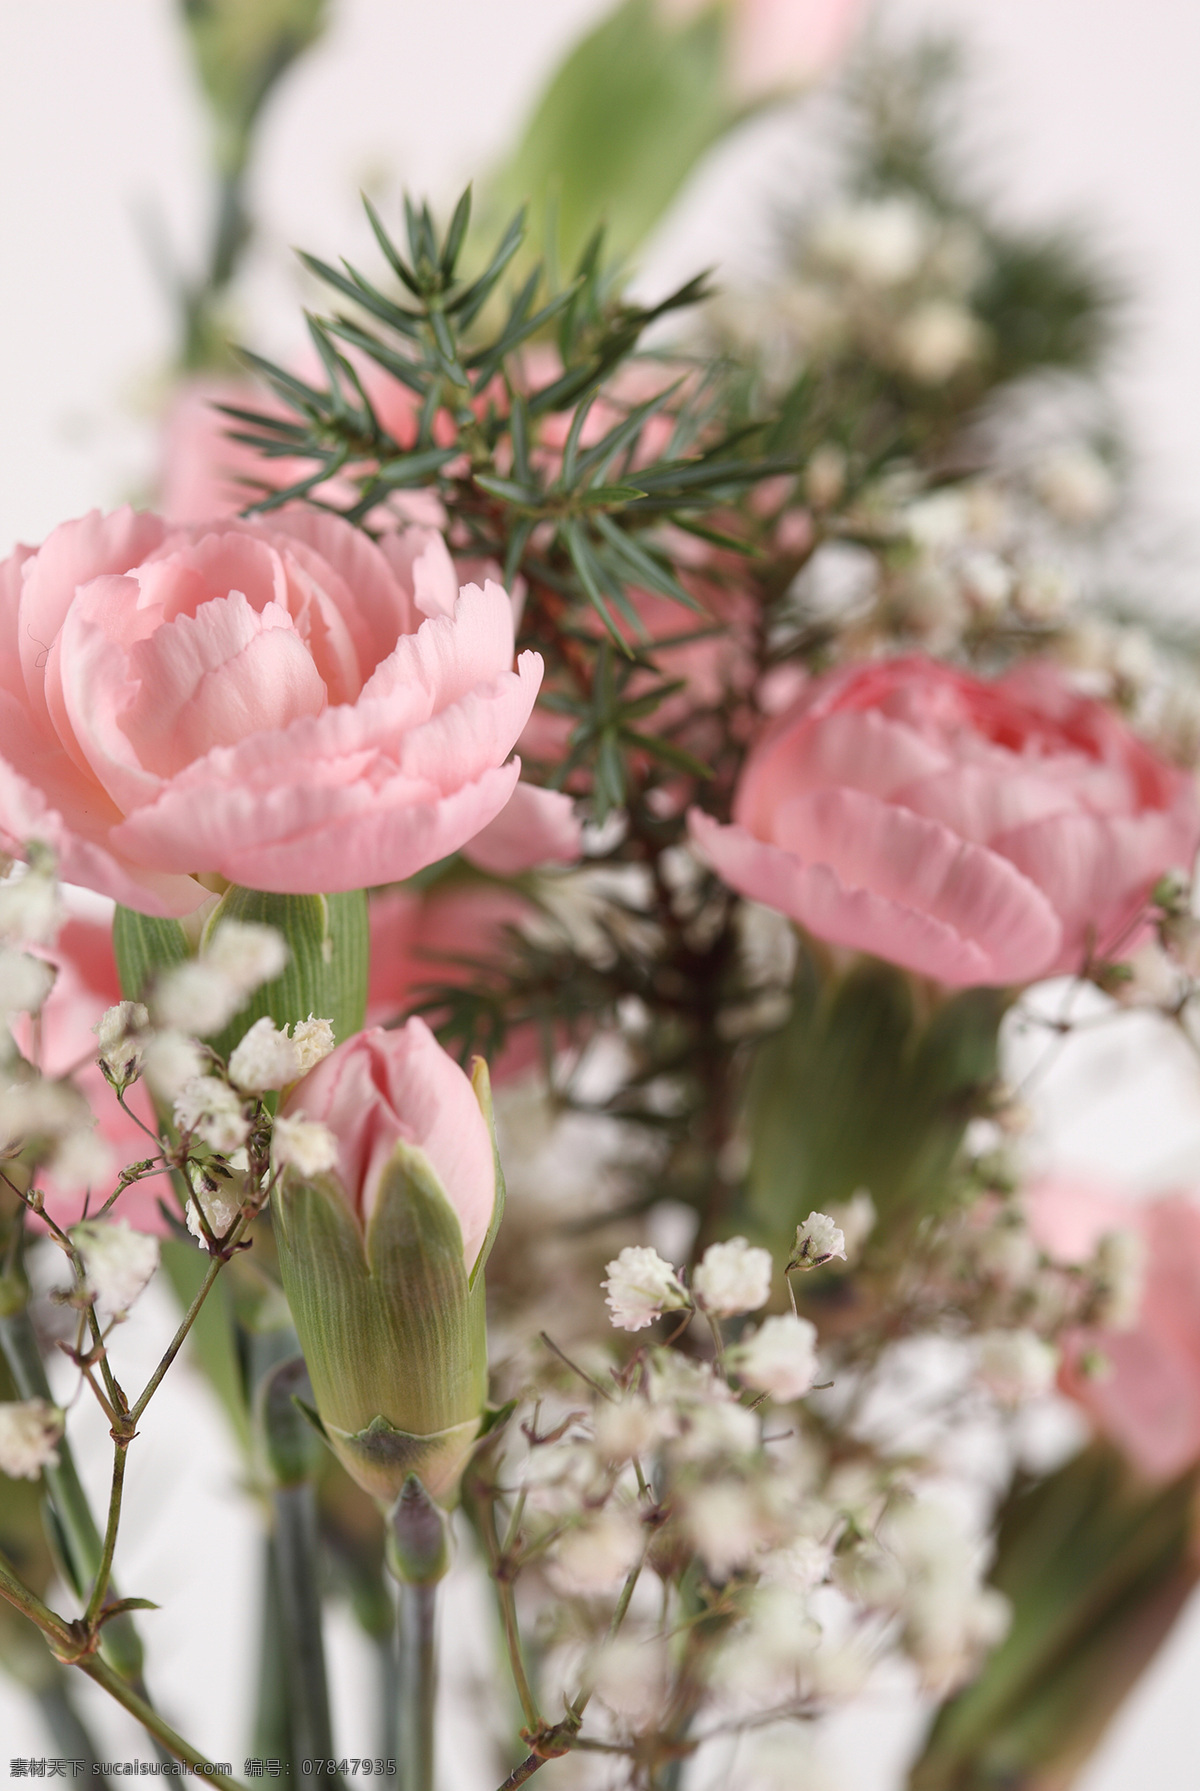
(1146, 1396)
(259, 701)
(977, 833)
(776, 45)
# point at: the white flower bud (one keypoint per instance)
(211, 1109)
(725, 1524)
(1075, 485)
(1015, 1365)
(879, 242)
(29, 1430)
(312, 1040)
(937, 340)
(627, 1427)
(121, 1047)
(82, 1160)
(598, 1556)
(31, 908)
(220, 1204)
(25, 981)
(195, 997)
(247, 953)
(630, 1677)
(1119, 1268)
(117, 1262)
(303, 1144)
(818, 1240)
(264, 1058)
(780, 1358)
(732, 1278)
(641, 1287)
(170, 1061)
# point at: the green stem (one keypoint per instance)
(66, 1639)
(188, 1320)
(418, 1684)
(389, 1699)
(296, 1560)
(272, 1733)
(76, 1525)
(104, 1571)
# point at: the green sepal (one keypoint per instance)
(392, 1331)
(291, 1451)
(418, 1537)
(326, 973)
(870, 1084)
(481, 1082)
(145, 946)
(381, 1458)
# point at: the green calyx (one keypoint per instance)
(391, 1324)
(326, 973)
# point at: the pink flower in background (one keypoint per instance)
(87, 985)
(263, 702)
(1146, 1396)
(776, 45)
(204, 473)
(535, 827)
(383, 1087)
(443, 935)
(977, 833)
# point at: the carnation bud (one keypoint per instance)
(382, 1253)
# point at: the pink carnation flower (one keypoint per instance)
(977, 833)
(262, 702)
(1145, 1396)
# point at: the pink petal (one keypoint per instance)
(535, 827)
(73, 555)
(899, 887)
(215, 678)
(856, 748)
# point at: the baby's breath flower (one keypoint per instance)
(596, 1558)
(303, 1144)
(1119, 1268)
(1015, 1365)
(170, 1061)
(29, 1430)
(641, 1287)
(220, 1204)
(732, 1278)
(818, 1240)
(247, 953)
(25, 981)
(121, 1045)
(117, 1262)
(211, 1109)
(196, 998)
(780, 1358)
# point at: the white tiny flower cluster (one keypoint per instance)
(267, 1058)
(304, 1145)
(52, 1122)
(121, 1041)
(215, 1113)
(203, 994)
(29, 1432)
(118, 1262)
(818, 1241)
(730, 1279)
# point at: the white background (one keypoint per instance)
(1091, 113)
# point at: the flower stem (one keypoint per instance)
(418, 1685)
(296, 1560)
(69, 1642)
(76, 1525)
